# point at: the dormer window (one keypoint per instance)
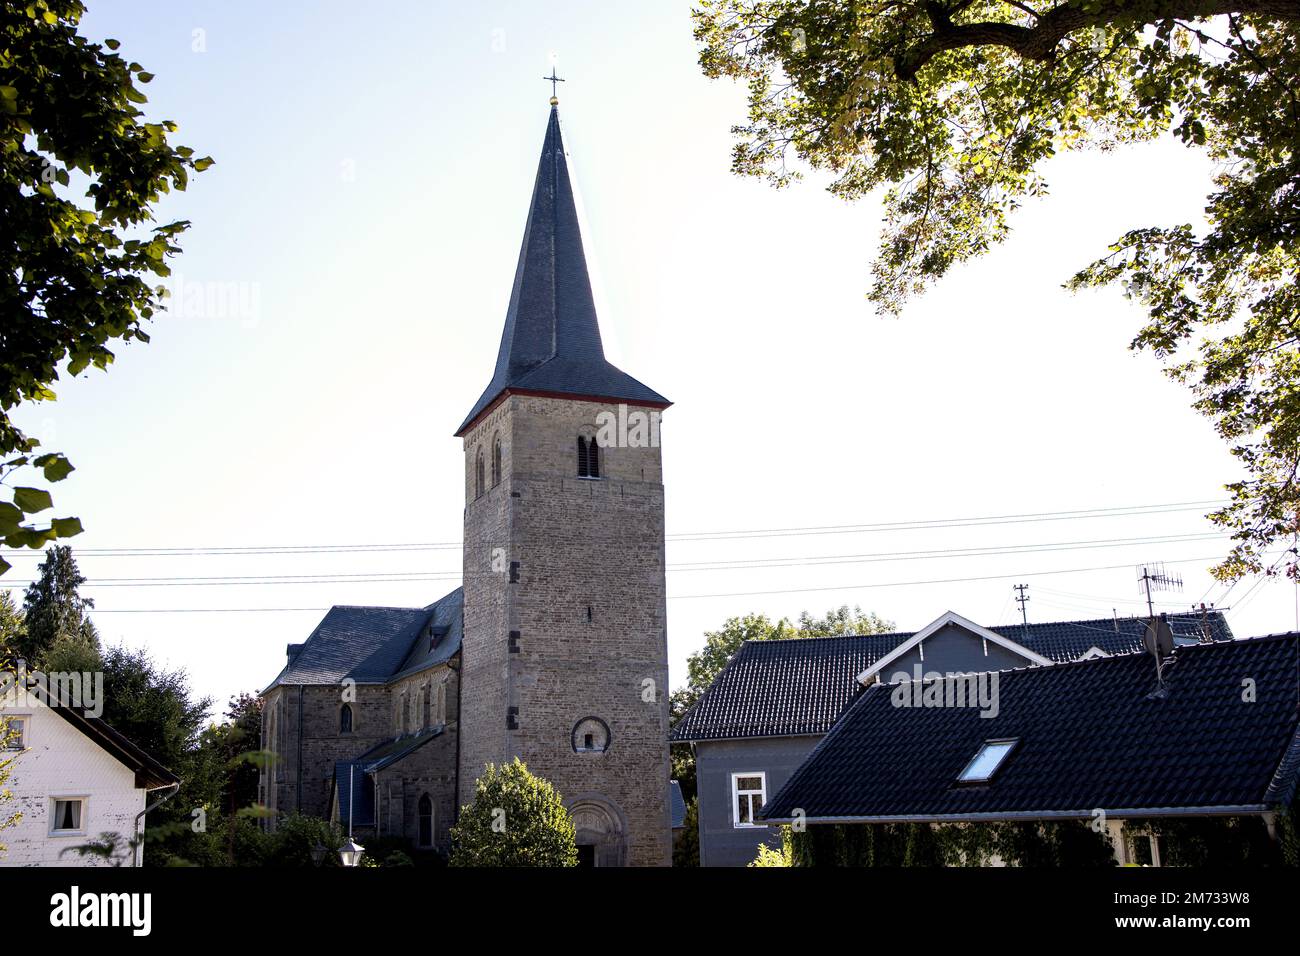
(588, 458)
(990, 756)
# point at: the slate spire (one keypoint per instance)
(551, 342)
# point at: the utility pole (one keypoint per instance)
(1023, 599)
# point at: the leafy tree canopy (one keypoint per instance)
(952, 106)
(516, 819)
(156, 709)
(55, 611)
(80, 173)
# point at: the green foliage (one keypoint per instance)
(953, 107)
(234, 746)
(296, 836)
(13, 628)
(686, 843)
(767, 856)
(516, 819)
(75, 270)
(55, 612)
(1220, 842)
(1069, 844)
(156, 709)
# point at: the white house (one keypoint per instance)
(74, 779)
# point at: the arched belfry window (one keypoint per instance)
(345, 719)
(588, 458)
(478, 474)
(496, 460)
(425, 836)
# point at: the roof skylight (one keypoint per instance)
(986, 761)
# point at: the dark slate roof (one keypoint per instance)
(677, 804)
(1091, 734)
(784, 688)
(373, 645)
(1070, 640)
(799, 686)
(365, 766)
(551, 342)
(447, 617)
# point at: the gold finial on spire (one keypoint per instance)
(555, 100)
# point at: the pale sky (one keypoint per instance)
(366, 207)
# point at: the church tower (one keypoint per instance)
(565, 646)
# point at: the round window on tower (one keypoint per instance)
(591, 736)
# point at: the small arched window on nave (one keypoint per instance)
(478, 474)
(496, 460)
(345, 719)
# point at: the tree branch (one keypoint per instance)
(1039, 42)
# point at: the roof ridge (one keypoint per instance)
(374, 607)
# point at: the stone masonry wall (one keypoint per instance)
(589, 606)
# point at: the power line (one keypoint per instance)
(914, 524)
(687, 597)
(393, 577)
(900, 584)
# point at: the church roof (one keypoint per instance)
(373, 645)
(551, 342)
(800, 686)
(1084, 735)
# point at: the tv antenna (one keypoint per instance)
(1154, 577)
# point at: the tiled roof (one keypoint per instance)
(551, 342)
(372, 645)
(783, 688)
(1090, 735)
(799, 686)
(677, 804)
(1070, 640)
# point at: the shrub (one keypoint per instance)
(516, 819)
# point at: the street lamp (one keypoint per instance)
(317, 854)
(351, 852)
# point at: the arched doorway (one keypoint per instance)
(601, 831)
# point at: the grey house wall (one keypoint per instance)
(721, 842)
(954, 650)
(950, 650)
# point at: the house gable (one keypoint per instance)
(965, 647)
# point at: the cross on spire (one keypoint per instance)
(554, 79)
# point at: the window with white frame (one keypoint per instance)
(67, 816)
(13, 732)
(748, 794)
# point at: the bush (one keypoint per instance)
(686, 846)
(516, 819)
(296, 836)
(767, 856)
